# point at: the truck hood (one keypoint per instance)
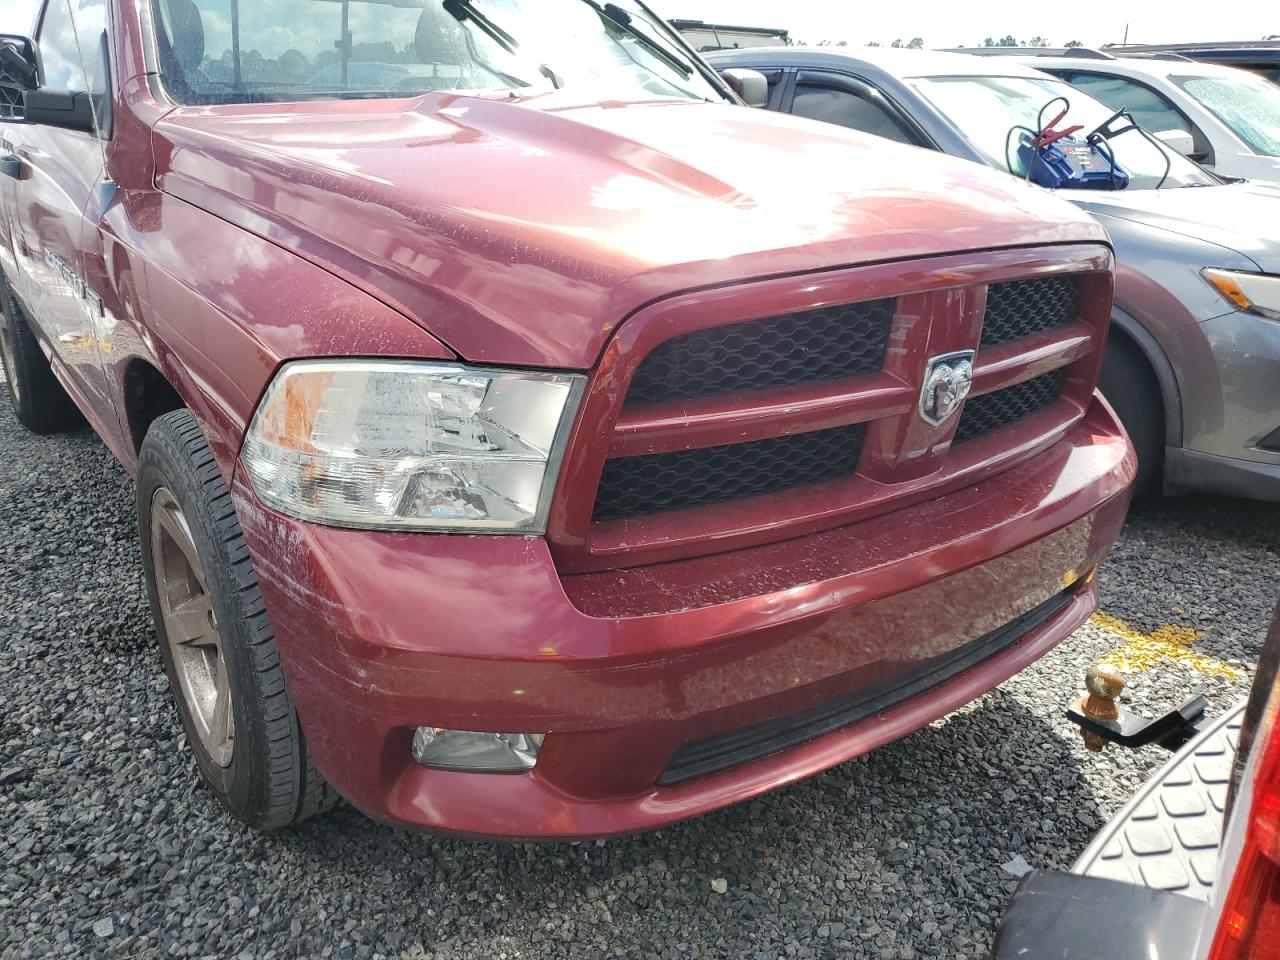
(525, 232)
(1243, 217)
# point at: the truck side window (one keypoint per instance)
(839, 106)
(70, 43)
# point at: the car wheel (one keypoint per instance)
(39, 401)
(1130, 387)
(215, 638)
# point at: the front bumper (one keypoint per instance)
(381, 632)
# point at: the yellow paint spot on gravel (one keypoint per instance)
(1142, 651)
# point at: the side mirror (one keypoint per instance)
(58, 108)
(751, 86)
(1179, 141)
(23, 99)
(18, 74)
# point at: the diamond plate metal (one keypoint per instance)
(1167, 837)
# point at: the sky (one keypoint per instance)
(941, 23)
(946, 23)
(16, 16)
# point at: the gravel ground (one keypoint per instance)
(110, 847)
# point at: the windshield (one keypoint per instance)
(1249, 105)
(229, 51)
(985, 109)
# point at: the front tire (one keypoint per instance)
(39, 401)
(1130, 386)
(216, 642)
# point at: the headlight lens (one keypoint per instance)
(405, 445)
(1256, 292)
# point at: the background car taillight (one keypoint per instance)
(1249, 924)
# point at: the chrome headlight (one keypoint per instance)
(1256, 292)
(399, 445)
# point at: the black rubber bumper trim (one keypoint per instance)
(773, 736)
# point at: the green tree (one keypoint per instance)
(293, 66)
(1038, 42)
(1072, 44)
(1007, 41)
(917, 43)
(873, 43)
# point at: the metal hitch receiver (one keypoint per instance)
(1102, 720)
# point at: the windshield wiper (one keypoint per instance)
(462, 10)
(615, 15)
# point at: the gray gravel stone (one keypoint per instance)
(895, 855)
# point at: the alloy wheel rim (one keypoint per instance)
(191, 628)
(6, 348)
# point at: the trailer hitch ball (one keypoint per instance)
(1102, 720)
(1104, 684)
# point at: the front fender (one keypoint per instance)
(216, 310)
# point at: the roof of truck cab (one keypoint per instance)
(894, 61)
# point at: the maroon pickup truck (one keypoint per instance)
(529, 439)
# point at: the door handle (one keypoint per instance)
(11, 166)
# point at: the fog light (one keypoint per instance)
(462, 750)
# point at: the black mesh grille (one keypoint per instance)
(1022, 308)
(995, 410)
(635, 486)
(796, 348)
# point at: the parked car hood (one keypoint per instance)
(525, 232)
(1244, 217)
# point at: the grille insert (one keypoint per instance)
(754, 743)
(796, 348)
(637, 486)
(992, 411)
(1023, 308)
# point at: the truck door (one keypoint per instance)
(55, 193)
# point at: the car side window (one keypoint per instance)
(1148, 107)
(820, 102)
(775, 78)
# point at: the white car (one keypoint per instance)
(1224, 118)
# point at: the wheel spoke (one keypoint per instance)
(221, 727)
(191, 629)
(191, 624)
(181, 538)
